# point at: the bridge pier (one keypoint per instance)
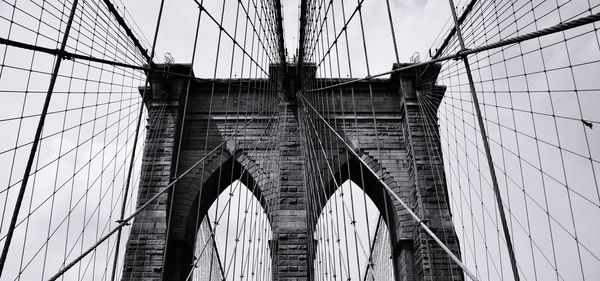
(291, 236)
(148, 234)
(426, 172)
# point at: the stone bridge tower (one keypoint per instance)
(403, 159)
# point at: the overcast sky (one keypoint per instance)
(539, 100)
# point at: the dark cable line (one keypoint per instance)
(35, 144)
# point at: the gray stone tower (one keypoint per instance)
(402, 156)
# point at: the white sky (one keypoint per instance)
(527, 116)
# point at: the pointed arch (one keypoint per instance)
(196, 192)
(400, 225)
(240, 244)
(351, 168)
(345, 232)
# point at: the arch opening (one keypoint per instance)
(230, 184)
(232, 241)
(352, 239)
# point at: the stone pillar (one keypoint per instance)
(146, 244)
(426, 170)
(290, 231)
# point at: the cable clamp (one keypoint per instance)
(461, 54)
(64, 54)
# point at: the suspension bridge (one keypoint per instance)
(324, 149)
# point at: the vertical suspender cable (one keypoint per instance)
(387, 2)
(402, 203)
(486, 145)
(135, 141)
(36, 139)
(178, 151)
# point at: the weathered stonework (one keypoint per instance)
(399, 149)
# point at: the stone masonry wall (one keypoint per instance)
(397, 147)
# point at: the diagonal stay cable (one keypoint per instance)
(348, 213)
(128, 30)
(38, 135)
(219, 216)
(439, 51)
(535, 34)
(153, 198)
(227, 33)
(528, 194)
(73, 56)
(404, 205)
